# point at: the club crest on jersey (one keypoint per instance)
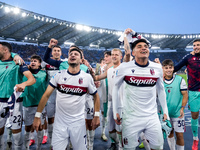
(194, 58)
(6, 67)
(80, 80)
(152, 71)
(133, 70)
(169, 91)
(65, 79)
(125, 141)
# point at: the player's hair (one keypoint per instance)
(196, 40)
(56, 47)
(101, 60)
(37, 57)
(167, 62)
(76, 49)
(8, 45)
(117, 49)
(107, 52)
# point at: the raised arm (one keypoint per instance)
(127, 56)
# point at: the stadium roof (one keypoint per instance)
(26, 26)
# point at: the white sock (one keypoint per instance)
(195, 138)
(9, 135)
(27, 139)
(91, 139)
(171, 143)
(120, 141)
(31, 135)
(178, 147)
(114, 137)
(103, 125)
(50, 131)
(87, 133)
(144, 140)
(39, 138)
(18, 141)
(45, 132)
(1, 142)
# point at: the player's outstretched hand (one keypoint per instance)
(181, 113)
(193, 53)
(118, 121)
(52, 42)
(128, 30)
(37, 124)
(18, 60)
(95, 122)
(164, 117)
(20, 87)
(157, 60)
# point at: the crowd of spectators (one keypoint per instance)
(93, 56)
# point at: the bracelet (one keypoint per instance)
(97, 114)
(38, 114)
(183, 106)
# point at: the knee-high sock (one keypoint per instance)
(178, 147)
(144, 140)
(18, 141)
(1, 142)
(114, 138)
(171, 143)
(88, 138)
(194, 125)
(91, 139)
(9, 135)
(27, 139)
(31, 135)
(39, 138)
(50, 131)
(103, 125)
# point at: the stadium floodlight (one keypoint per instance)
(16, 10)
(25, 38)
(68, 43)
(87, 28)
(35, 17)
(7, 9)
(1, 5)
(42, 19)
(100, 31)
(79, 27)
(119, 33)
(38, 17)
(24, 14)
(29, 38)
(47, 19)
(33, 39)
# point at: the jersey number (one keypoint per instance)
(88, 110)
(17, 119)
(181, 123)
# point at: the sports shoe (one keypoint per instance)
(141, 145)
(104, 138)
(32, 141)
(195, 145)
(44, 141)
(112, 147)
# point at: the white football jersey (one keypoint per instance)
(140, 86)
(70, 99)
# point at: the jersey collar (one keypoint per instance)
(73, 74)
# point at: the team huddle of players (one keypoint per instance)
(71, 94)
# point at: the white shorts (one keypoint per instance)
(178, 124)
(111, 122)
(16, 119)
(29, 115)
(62, 134)
(132, 128)
(89, 107)
(51, 105)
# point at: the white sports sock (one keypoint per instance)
(50, 131)
(178, 147)
(27, 139)
(9, 135)
(31, 135)
(119, 136)
(87, 132)
(91, 139)
(18, 141)
(1, 142)
(114, 137)
(103, 125)
(195, 138)
(144, 140)
(45, 132)
(171, 143)
(39, 138)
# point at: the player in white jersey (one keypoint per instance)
(142, 79)
(177, 96)
(72, 84)
(116, 56)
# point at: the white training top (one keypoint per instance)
(70, 99)
(140, 86)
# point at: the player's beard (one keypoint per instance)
(73, 65)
